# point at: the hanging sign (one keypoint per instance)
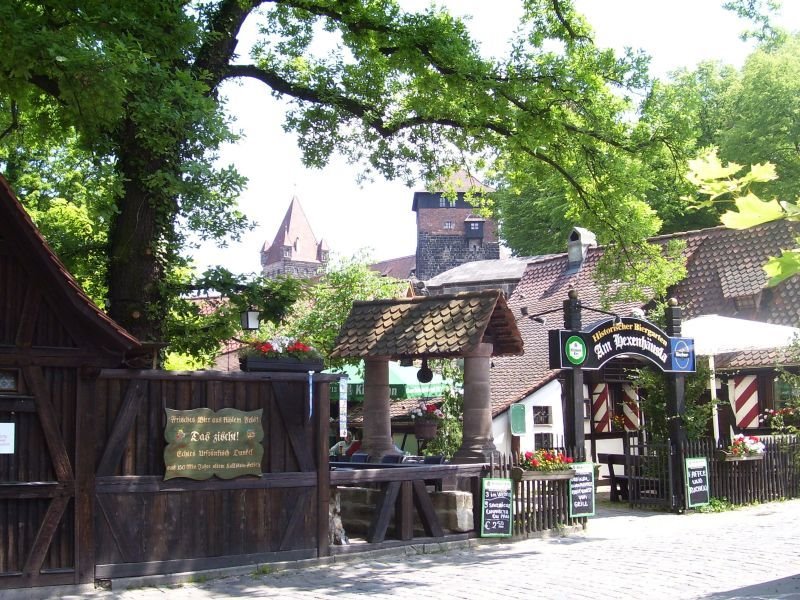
(610, 338)
(581, 490)
(6, 438)
(517, 418)
(697, 490)
(202, 443)
(497, 496)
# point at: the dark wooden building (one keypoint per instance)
(82, 488)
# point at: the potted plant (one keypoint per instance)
(279, 354)
(426, 417)
(543, 464)
(743, 447)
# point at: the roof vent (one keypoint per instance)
(580, 240)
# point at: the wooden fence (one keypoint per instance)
(774, 477)
(540, 503)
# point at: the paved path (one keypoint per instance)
(752, 552)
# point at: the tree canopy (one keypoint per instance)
(130, 90)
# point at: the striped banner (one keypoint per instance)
(745, 400)
(601, 415)
(630, 407)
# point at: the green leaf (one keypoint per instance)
(752, 211)
(779, 268)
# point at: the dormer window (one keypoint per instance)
(744, 303)
(448, 224)
(287, 252)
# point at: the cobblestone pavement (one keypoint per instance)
(753, 552)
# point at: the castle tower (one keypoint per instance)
(294, 251)
(450, 233)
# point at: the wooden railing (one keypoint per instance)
(775, 476)
(540, 499)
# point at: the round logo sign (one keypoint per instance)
(576, 350)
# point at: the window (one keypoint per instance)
(448, 224)
(542, 415)
(8, 380)
(287, 252)
(543, 440)
(474, 226)
(748, 302)
(442, 202)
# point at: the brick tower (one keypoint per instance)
(450, 233)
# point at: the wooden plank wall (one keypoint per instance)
(144, 524)
(33, 504)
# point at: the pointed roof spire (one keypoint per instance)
(294, 232)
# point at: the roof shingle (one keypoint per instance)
(433, 326)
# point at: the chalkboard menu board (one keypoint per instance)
(581, 490)
(497, 497)
(697, 490)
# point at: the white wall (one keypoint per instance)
(549, 395)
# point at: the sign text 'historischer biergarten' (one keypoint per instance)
(609, 338)
(202, 443)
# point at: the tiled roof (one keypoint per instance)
(726, 264)
(399, 268)
(722, 264)
(433, 326)
(754, 359)
(543, 287)
(22, 229)
(482, 271)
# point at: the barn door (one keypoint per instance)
(37, 478)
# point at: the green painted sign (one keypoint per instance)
(202, 443)
(575, 349)
(517, 418)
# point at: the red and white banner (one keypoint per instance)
(630, 407)
(601, 413)
(745, 400)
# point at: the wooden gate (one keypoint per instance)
(42, 479)
(146, 525)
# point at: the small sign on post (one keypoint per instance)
(697, 489)
(497, 495)
(581, 490)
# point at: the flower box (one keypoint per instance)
(520, 474)
(282, 363)
(731, 457)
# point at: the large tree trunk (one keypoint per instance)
(137, 246)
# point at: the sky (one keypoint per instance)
(376, 216)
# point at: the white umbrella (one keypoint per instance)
(714, 334)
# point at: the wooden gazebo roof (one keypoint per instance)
(445, 326)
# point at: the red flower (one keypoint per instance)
(265, 347)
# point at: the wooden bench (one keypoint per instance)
(620, 482)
